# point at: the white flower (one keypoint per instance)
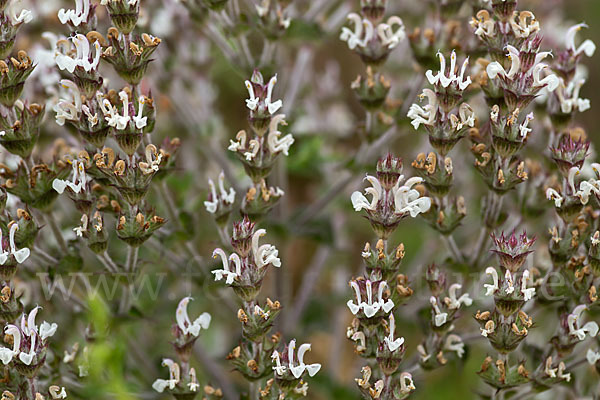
(488, 328)
(278, 367)
(253, 102)
(556, 372)
(359, 201)
(82, 57)
(66, 109)
(226, 197)
(455, 343)
(174, 377)
(57, 392)
(408, 200)
(527, 24)
(139, 119)
(569, 97)
(298, 370)
(47, 330)
(424, 115)
(548, 370)
(273, 107)
(527, 292)
(494, 113)
(79, 230)
(552, 194)
(25, 16)
(253, 146)
(27, 358)
(261, 313)
(77, 16)
(550, 81)
(123, 120)
(467, 117)
(423, 353)
(588, 47)
(226, 272)
(440, 317)
(193, 385)
(393, 344)
(595, 238)
(78, 184)
(362, 34)
(561, 369)
(265, 254)
(6, 354)
(153, 160)
(276, 144)
(183, 320)
(19, 255)
(524, 128)
(361, 339)
(483, 24)
(496, 69)
(240, 143)
(585, 187)
(446, 81)
(592, 356)
(590, 328)
(369, 306)
(406, 383)
(490, 289)
(92, 119)
(389, 37)
(452, 302)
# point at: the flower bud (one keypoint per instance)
(21, 128)
(372, 90)
(123, 14)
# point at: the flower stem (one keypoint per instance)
(57, 233)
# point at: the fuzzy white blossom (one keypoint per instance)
(296, 368)
(369, 305)
(20, 255)
(83, 57)
(359, 201)
(495, 69)
(588, 47)
(174, 376)
(490, 289)
(275, 143)
(78, 182)
(456, 344)
(453, 302)
(226, 272)
(409, 200)
(393, 343)
(447, 78)
(580, 332)
(424, 115)
(16, 17)
(440, 318)
(77, 16)
(228, 197)
(185, 324)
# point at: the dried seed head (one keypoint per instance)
(252, 364)
(482, 316)
(235, 353)
(5, 294)
(400, 253)
(242, 316)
